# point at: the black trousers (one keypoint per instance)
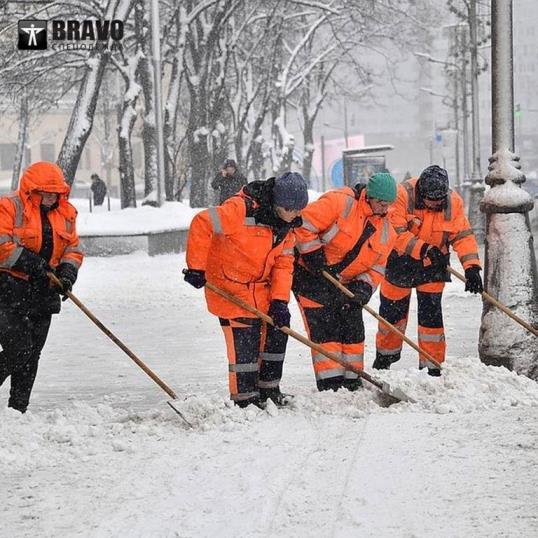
(256, 354)
(22, 338)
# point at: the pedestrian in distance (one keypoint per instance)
(346, 233)
(37, 235)
(228, 181)
(245, 247)
(429, 219)
(98, 188)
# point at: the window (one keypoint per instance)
(48, 152)
(7, 156)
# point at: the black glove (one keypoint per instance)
(474, 280)
(361, 290)
(194, 277)
(437, 258)
(34, 266)
(67, 275)
(279, 312)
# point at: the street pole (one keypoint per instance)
(510, 264)
(157, 88)
(323, 177)
(345, 124)
(457, 127)
(476, 218)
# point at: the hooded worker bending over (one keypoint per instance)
(428, 218)
(37, 235)
(245, 247)
(347, 233)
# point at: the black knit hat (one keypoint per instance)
(290, 191)
(433, 183)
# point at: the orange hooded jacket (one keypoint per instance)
(416, 227)
(20, 219)
(336, 222)
(238, 256)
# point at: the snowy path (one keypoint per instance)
(100, 455)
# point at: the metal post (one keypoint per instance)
(345, 124)
(476, 218)
(457, 127)
(323, 176)
(156, 56)
(510, 268)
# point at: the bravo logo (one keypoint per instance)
(70, 34)
(88, 30)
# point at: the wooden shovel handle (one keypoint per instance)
(381, 319)
(499, 305)
(116, 340)
(296, 335)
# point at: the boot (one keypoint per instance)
(383, 362)
(251, 401)
(280, 399)
(330, 384)
(353, 384)
(434, 372)
(19, 406)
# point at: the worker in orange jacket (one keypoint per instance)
(37, 235)
(428, 218)
(347, 233)
(245, 247)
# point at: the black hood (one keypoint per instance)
(262, 193)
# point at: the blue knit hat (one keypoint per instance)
(290, 191)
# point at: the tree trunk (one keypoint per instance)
(24, 120)
(149, 132)
(308, 135)
(81, 122)
(126, 122)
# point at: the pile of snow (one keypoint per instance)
(139, 220)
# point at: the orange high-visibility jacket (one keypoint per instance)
(20, 219)
(335, 222)
(238, 256)
(415, 227)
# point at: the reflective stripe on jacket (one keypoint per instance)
(20, 220)
(238, 256)
(416, 226)
(336, 222)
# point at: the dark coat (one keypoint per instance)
(99, 191)
(229, 185)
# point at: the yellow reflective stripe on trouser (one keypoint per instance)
(357, 360)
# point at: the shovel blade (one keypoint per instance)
(396, 395)
(173, 405)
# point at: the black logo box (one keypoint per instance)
(32, 34)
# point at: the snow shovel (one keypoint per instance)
(122, 346)
(499, 305)
(388, 324)
(392, 395)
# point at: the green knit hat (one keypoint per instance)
(382, 186)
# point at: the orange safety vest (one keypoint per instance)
(415, 226)
(336, 222)
(238, 256)
(20, 220)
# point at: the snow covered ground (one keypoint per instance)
(100, 454)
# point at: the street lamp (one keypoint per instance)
(510, 264)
